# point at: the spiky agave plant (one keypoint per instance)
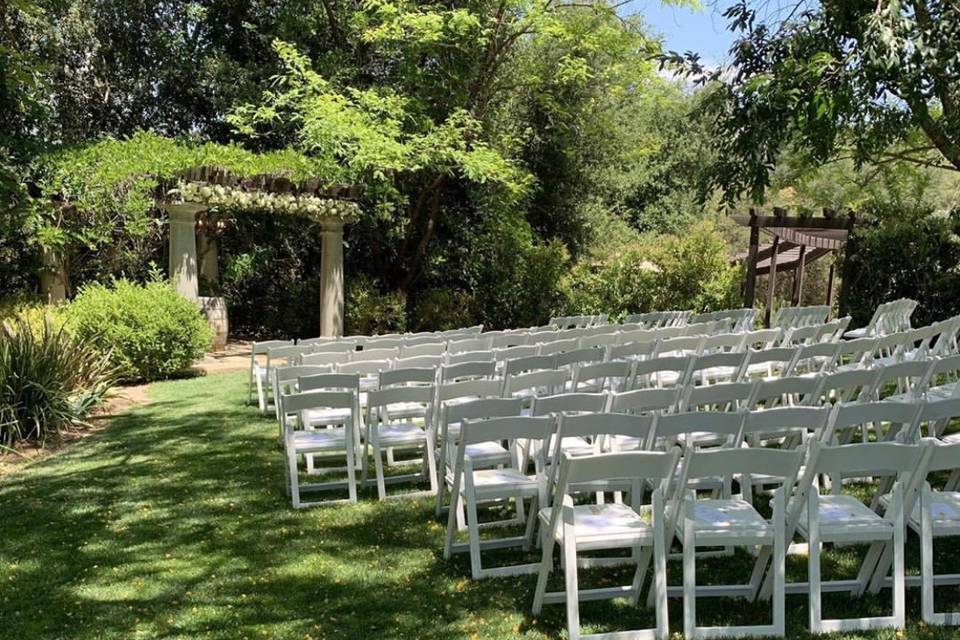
(49, 381)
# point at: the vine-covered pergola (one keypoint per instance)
(193, 184)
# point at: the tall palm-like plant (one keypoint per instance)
(49, 381)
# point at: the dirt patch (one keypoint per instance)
(234, 357)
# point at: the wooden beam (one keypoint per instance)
(771, 282)
(798, 276)
(750, 282)
(793, 222)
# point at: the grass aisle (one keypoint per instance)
(173, 523)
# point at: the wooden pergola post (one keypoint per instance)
(750, 284)
(771, 281)
(798, 277)
(331, 279)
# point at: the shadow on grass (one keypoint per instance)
(173, 523)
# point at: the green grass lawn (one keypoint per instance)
(173, 523)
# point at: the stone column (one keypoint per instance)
(53, 277)
(331, 279)
(183, 248)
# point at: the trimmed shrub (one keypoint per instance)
(150, 331)
(50, 381)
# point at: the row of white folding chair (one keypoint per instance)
(577, 322)
(659, 319)
(813, 333)
(889, 317)
(795, 317)
(515, 483)
(864, 525)
(740, 319)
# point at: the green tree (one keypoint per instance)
(875, 81)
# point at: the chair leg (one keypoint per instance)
(531, 522)
(813, 562)
(926, 561)
(473, 531)
(378, 467)
(546, 566)
(779, 563)
(294, 481)
(899, 581)
(430, 454)
(570, 575)
(689, 581)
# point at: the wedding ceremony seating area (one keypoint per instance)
(656, 442)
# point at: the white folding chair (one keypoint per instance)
(473, 400)
(479, 370)
(630, 351)
(331, 358)
(691, 345)
(370, 353)
(734, 521)
(528, 386)
(770, 363)
(515, 352)
(259, 371)
(331, 441)
(844, 519)
(286, 379)
(422, 349)
(555, 347)
(277, 356)
(465, 357)
(849, 385)
(470, 344)
(814, 359)
(403, 431)
(418, 362)
(600, 340)
(793, 391)
(609, 526)
(471, 486)
(569, 359)
(936, 515)
(717, 367)
(660, 372)
(723, 396)
(601, 376)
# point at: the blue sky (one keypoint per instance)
(703, 31)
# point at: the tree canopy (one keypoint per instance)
(872, 81)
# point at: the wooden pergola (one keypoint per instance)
(795, 242)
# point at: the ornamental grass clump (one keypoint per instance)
(50, 381)
(150, 331)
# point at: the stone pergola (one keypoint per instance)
(212, 188)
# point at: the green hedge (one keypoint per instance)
(149, 331)
(911, 254)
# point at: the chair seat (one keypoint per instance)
(407, 410)
(625, 443)
(484, 454)
(844, 518)
(400, 433)
(953, 438)
(943, 392)
(944, 512)
(605, 525)
(307, 440)
(728, 517)
(325, 416)
(503, 482)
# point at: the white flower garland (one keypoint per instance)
(232, 198)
